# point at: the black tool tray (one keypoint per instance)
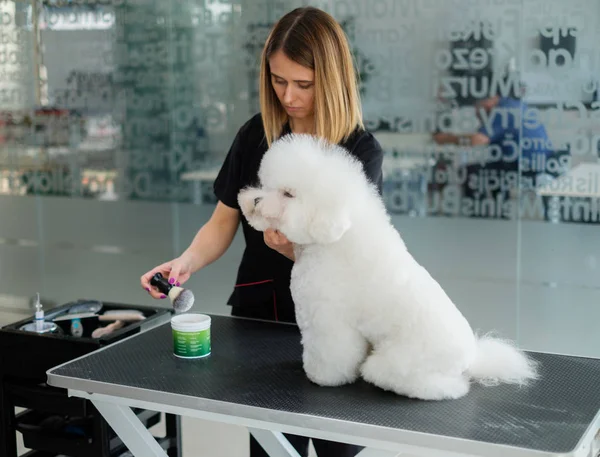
(54, 423)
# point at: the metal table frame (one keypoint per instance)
(117, 412)
(114, 401)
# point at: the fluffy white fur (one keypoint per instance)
(364, 305)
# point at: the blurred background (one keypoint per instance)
(115, 116)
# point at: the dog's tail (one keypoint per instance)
(500, 361)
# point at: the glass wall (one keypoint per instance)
(115, 116)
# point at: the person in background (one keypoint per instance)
(307, 84)
(521, 143)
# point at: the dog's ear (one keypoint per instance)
(329, 226)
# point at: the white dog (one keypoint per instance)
(364, 305)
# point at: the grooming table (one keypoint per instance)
(254, 378)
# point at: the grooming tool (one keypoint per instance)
(127, 315)
(47, 327)
(76, 328)
(101, 331)
(181, 299)
(68, 317)
(39, 324)
(39, 315)
(85, 306)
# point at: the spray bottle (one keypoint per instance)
(39, 315)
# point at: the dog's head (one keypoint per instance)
(307, 190)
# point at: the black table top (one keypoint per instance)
(255, 369)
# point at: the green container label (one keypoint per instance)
(191, 344)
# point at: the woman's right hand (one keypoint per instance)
(211, 241)
(177, 271)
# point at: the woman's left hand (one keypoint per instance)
(277, 241)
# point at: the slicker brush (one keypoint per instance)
(181, 299)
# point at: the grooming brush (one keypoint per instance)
(126, 315)
(181, 299)
(101, 331)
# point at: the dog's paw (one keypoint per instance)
(329, 372)
(333, 355)
(386, 373)
(439, 387)
(329, 376)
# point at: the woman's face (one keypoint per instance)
(294, 86)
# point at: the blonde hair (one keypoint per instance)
(315, 40)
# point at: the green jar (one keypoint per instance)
(191, 335)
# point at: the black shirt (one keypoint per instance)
(263, 278)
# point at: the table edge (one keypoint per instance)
(316, 423)
(302, 420)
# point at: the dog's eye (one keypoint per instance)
(287, 194)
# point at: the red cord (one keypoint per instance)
(254, 283)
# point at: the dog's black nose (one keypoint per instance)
(257, 200)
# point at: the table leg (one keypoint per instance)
(130, 429)
(274, 443)
(173, 426)
(370, 452)
(8, 441)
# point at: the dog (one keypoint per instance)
(364, 306)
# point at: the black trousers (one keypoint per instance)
(323, 448)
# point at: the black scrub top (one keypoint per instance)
(263, 278)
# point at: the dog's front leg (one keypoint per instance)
(332, 352)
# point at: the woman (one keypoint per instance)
(307, 85)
